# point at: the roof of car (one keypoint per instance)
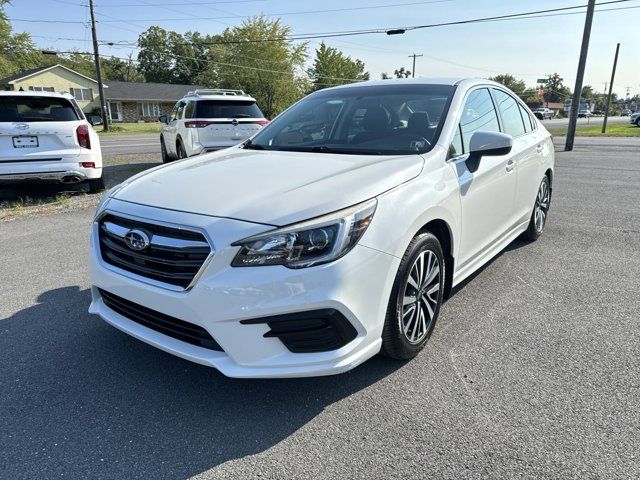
(219, 94)
(419, 81)
(11, 93)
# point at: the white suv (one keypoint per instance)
(208, 120)
(45, 136)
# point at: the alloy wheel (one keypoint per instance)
(542, 206)
(421, 296)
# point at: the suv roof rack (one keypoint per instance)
(216, 91)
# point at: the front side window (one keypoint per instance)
(361, 120)
(85, 94)
(148, 109)
(510, 112)
(478, 115)
(37, 109)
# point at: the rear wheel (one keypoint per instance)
(96, 185)
(415, 298)
(638, 122)
(540, 211)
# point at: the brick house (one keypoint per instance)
(126, 101)
(143, 102)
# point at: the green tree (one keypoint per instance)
(385, 76)
(332, 67)
(17, 50)
(511, 82)
(402, 73)
(555, 91)
(256, 57)
(155, 58)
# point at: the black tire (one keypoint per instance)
(638, 122)
(96, 185)
(534, 230)
(182, 153)
(163, 151)
(395, 334)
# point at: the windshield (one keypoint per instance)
(227, 109)
(36, 109)
(367, 120)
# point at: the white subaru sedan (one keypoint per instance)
(333, 234)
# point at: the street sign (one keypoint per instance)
(543, 80)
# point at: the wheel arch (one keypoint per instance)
(442, 231)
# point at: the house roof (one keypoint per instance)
(163, 92)
(34, 71)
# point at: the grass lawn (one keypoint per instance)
(130, 128)
(613, 130)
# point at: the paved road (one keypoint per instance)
(532, 371)
(113, 145)
(564, 122)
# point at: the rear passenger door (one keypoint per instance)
(517, 123)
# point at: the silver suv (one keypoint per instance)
(208, 120)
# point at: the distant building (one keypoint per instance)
(126, 101)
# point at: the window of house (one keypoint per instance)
(478, 114)
(41, 89)
(83, 94)
(513, 123)
(148, 109)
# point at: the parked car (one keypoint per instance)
(625, 112)
(301, 253)
(45, 136)
(584, 113)
(208, 120)
(544, 113)
(634, 119)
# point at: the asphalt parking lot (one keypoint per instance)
(533, 370)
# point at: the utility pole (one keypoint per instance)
(96, 57)
(613, 76)
(413, 72)
(575, 104)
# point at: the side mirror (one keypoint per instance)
(487, 144)
(163, 119)
(95, 120)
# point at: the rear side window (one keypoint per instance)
(36, 109)
(227, 109)
(510, 111)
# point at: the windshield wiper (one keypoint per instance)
(252, 146)
(346, 151)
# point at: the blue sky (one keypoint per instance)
(527, 48)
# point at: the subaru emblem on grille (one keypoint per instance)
(136, 239)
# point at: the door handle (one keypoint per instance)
(510, 165)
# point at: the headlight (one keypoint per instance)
(320, 240)
(105, 199)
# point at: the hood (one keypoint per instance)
(270, 187)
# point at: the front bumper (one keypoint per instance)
(224, 300)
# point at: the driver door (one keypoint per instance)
(486, 195)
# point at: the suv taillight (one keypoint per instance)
(197, 123)
(82, 134)
(262, 122)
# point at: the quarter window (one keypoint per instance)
(526, 118)
(148, 109)
(513, 123)
(478, 114)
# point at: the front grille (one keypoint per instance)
(170, 326)
(173, 256)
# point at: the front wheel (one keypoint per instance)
(163, 151)
(638, 122)
(540, 211)
(415, 300)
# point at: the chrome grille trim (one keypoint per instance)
(158, 242)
